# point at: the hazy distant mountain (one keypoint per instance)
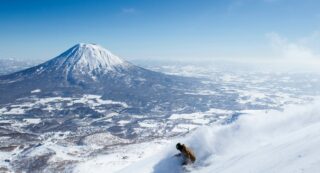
(10, 65)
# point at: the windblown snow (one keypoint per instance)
(265, 142)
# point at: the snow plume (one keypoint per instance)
(286, 141)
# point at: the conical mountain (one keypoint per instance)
(92, 69)
(87, 59)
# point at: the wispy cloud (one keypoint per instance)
(301, 53)
(129, 10)
(235, 5)
(270, 1)
(291, 49)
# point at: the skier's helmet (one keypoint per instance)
(179, 146)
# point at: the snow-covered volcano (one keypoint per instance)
(82, 62)
(92, 69)
(87, 59)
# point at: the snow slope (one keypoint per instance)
(272, 142)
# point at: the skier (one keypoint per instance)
(186, 154)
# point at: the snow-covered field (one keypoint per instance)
(265, 142)
(56, 103)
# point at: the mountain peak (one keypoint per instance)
(88, 46)
(93, 54)
(88, 58)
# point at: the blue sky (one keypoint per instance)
(160, 29)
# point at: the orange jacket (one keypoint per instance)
(187, 153)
